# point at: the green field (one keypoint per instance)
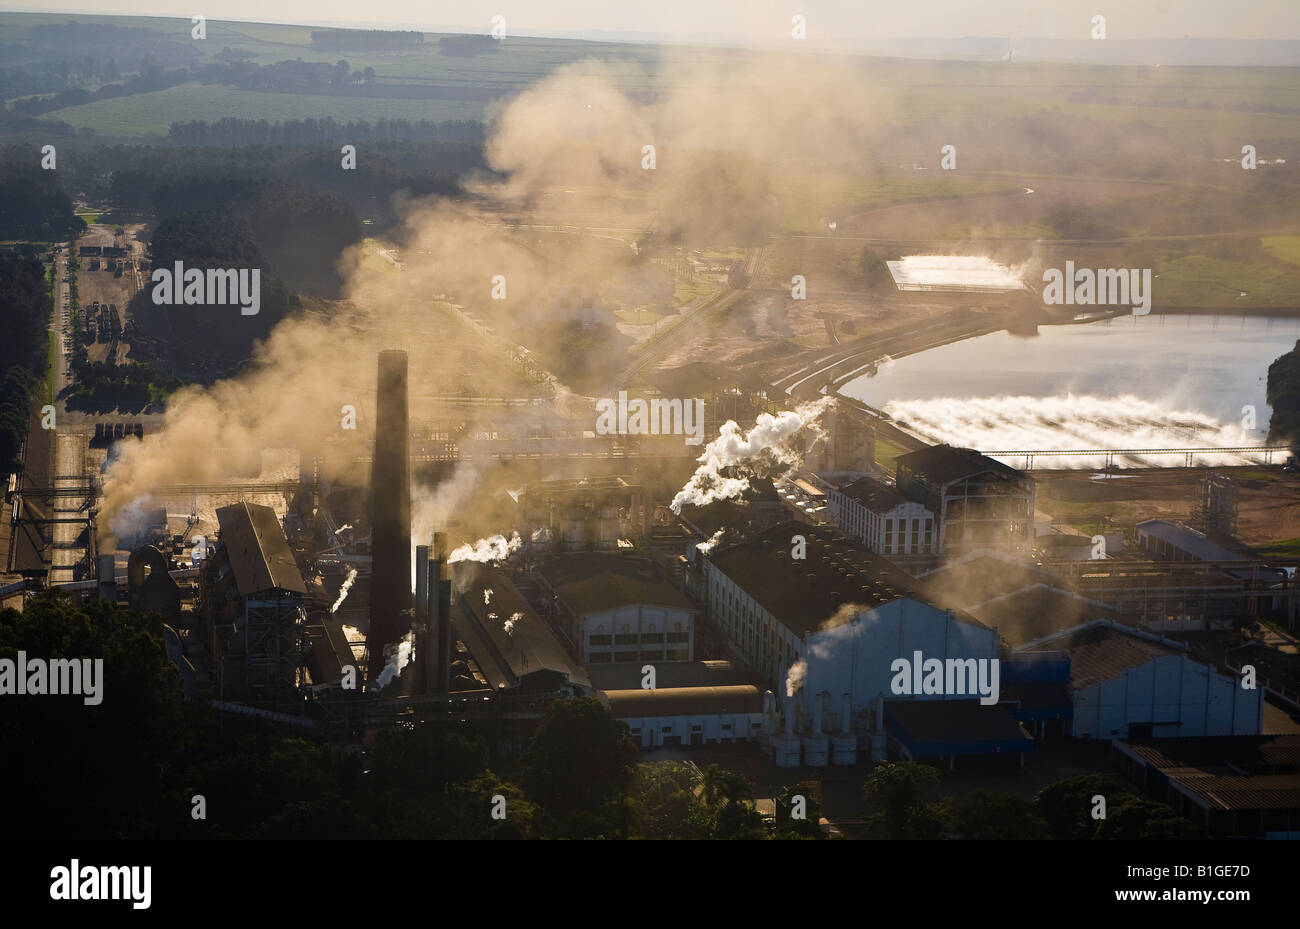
(1285, 548)
(686, 291)
(1283, 247)
(816, 197)
(641, 316)
(153, 113)
(1191, 105)
(1198, 280)
(887, 452)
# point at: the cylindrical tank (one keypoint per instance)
(844, 744)
(815, 744)
(785, 744)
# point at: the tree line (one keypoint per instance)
(579, 776)
(25, 307)
(232, 131)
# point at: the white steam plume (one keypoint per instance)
(397, 655)
(343, 590)
(495, 548)
(509, 624)
(1070, 421)
(712, 543)
(794, 679)
(768, 443)
(487, 596)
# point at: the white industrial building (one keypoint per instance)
(875, 514)
(763, 598)
(689, 715)
(826, 630)
(1128, 683)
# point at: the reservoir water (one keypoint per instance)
(1130, 382)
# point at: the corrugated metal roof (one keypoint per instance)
(589, 582)
(943, 463)
(1100, 652)
(505, 658)
(804, 594)
(1246, 752)
(258, 552)
(1233, 792)
(875, 495)
(1188, 539)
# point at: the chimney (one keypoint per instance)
(848, 714)
(390, 512)
(817, 714)
(426, 639)
(789, 715)
(107, 570)
(440, 679)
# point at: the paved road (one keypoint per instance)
(67, 459)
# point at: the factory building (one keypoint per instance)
(1023, 601)
(615, 608)
(758, 508)
(512, 648)
(1128, 683)
(1233, 787)
(847, 444)
(767, 594)
(875, 514)
(823, 623)
(583, 515)
(1186, 596)
(844, 701)
(980, 503)
(253, 606)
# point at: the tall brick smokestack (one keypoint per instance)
(390, 513)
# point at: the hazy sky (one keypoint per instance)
(760, 20)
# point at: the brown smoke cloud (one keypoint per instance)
(724, 134)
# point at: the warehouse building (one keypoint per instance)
(1233, 787)
(1128, 683)
(767, 594)
(614, 608)
(1176, 542)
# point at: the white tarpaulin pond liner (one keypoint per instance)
(952, 272)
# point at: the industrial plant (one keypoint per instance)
(642, 435)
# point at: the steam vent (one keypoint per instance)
(390, 512)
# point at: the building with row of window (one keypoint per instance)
(617, 607)
(875, 514)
